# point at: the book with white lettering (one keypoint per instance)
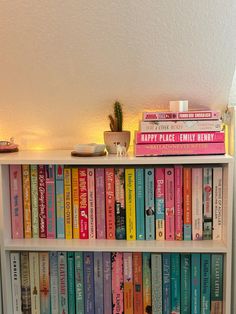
(186, 115)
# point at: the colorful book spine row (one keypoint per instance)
(163, 203)
(106, 283)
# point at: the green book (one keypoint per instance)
(79, 279)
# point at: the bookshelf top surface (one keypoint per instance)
(64, 157)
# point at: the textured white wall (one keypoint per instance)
(63, 63)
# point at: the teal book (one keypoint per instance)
(147, 283)
(54, 288)
(156, 269)
(166, 283)
(60, 210)
(79, 283)
(140, 219)
(98, 282)
(149, 204)
(217, 263)
(175, 282)
(205, 283)
(196, 284)
(71, 282)
(62, 274)
(185, 283)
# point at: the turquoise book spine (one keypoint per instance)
(217, 263)
(149, 204)
(166, 284)
(156, 269)
(71, 282)
(205, 283)
(175, 283)
(79, 283)
(63, 289)
(60, 210)
(140, 220)
(185, 283)
(196, 284)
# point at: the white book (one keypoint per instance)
(15, 283)
(34, 282)
(54, 289)
(217, 203)
(197, 209)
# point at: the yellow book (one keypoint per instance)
(75, 202)
(130, 204)
(68, 202)
(26, 201)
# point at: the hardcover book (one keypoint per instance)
(44, 282)
(34, 200)
(110, 203)
(100, 203)
(149, 204)
(130, 204)
(98, 282)
(139, 201)
(25, 283)
(186, 115)
(83, 204)
(91, 204)
(50, 199)
(79, 282)
(42, 201)
(62, 282)
(68, 203)
(15, 282)
(59, 173)
(138, 282)
(128, 283)
(197, 218)
(89, 283)
(187, 200)
(117, 283)
(160, 203)
(107, 287)
(54, 288)
(120, 203)
(169, 203)
(75, 202)
(26, 200)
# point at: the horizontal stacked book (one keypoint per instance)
(106, 283)
(132, 203)
(180, 133)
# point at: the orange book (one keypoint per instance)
(110, 202)
(128, 283)
(26, 201)
(187, 200)
(138, 283)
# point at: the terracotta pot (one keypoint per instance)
(112, 139)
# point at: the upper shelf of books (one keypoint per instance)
(64, 157)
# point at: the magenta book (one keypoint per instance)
(187, 115)
(117, 283)
(110, 202)
(169, 203)
(42, 201)
(83, 204)
(178, 202)
(91, 204)
(100, 204)
(50, 198)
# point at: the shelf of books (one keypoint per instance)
(99, 232)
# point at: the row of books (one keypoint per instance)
(163, 203)
(106, 283)
(180, 133)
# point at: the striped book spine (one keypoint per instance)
(139, 201)
(100, 203)
(62, 282)
(54, 288)
(15, 282)
(79, 283)
(156, 268)
(197, 203)
(50, 202)
(75, 202)
(130, 204)
(178, 173)
(149, 204)
(110, 203)
(217, 203)
(147, 283)
(91, 204)
(71, 282)
(42, 201)
(89, 283)
(44, 282)
(185, 283)
(117, 283)
(128, 284)
(217, 261)
(34, 282)
(187, 200)
(83, 203)
(98, 282)
(175, 283)
(160, 203)
(107, 287)
(207, 203)
(26, 200)
(205, 283)
(138, 282)
(196, 283)
(169, 203)
(34, 200)
(59, 174)
(25, 282)
(166, 297)
(120, 204)
(68, 202)
(16, 202)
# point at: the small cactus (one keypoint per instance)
(116, 121)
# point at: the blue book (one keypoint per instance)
(107, 286)
(166, 294)
(79, 282)
(149, 204)
(140, 220)
(71, 282)
(98, 282)
(89, 283)
(60, 218)
(54, 289)
(205, 283)
(185, 283)
(175, 283)
(62, 273)
(196, 284)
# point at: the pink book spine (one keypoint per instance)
(117, 283)
(100, 204)
(188, 115)
(16, 201)
(179, 149)
(50, 201)
(178, 202)
(160, 203)
(197, 219)
(42, 201)
(110, 202)
(91, 204)
(83, 203)
(169, 203)
(180, 137)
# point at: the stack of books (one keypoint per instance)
(180, 133)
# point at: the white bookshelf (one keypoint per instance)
(63, 157)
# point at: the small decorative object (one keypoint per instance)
(8, 146)
(178, 105)
(116, 136)
(120, 150)
(89, 150)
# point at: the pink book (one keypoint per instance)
(187, 115)
(42, 201)
(100, 204)
(179, 149)
(169, 203)
(117, 283)
(197, 209)
(50, 201)
(160, 203)
(91, 204)
(16, 202)
(178, 202)
(179, 137)
(110, 202)
(83, 204)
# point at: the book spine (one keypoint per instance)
(44, 283)
(166, 284)
(50, 202)
(197, 203)
(91, 204)
(138, 282)
(217, 203)
(189, 115)
(169, 203)
(110, 203)
(217, 261)
(15, 282)
(42, 201)
(120, 204)
(79, 282)
(68, 203)
(179, 137)
(147, 283)
(130, 204)
(98, 282)
(107, 287)
(16, 202)
(128, 283)
(54, 289)
(100, 203)
(179, 149)
(187, 200)
(62, 282)
(89, 283)
(34, 200)
(156, 267)
(71, 282)
(160, 203)
(75, 202)
(175, 283)
(196, 283)
(185, 283)
(117, 283)
(59, 171)
(26, 201)
(207, 203)
(205, 283)
(83, 204)
(149, 204)
(34, 282)
(139, 201)
(178, 202)
(25, 283)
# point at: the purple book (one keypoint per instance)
(107, 294)
(100, 204)
(89, 283)
(98, 282)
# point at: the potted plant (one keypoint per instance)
(116, 138)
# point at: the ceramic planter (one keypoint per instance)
(112, 139)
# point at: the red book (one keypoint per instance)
(83, 204)
(42, 201)
(110, 202)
